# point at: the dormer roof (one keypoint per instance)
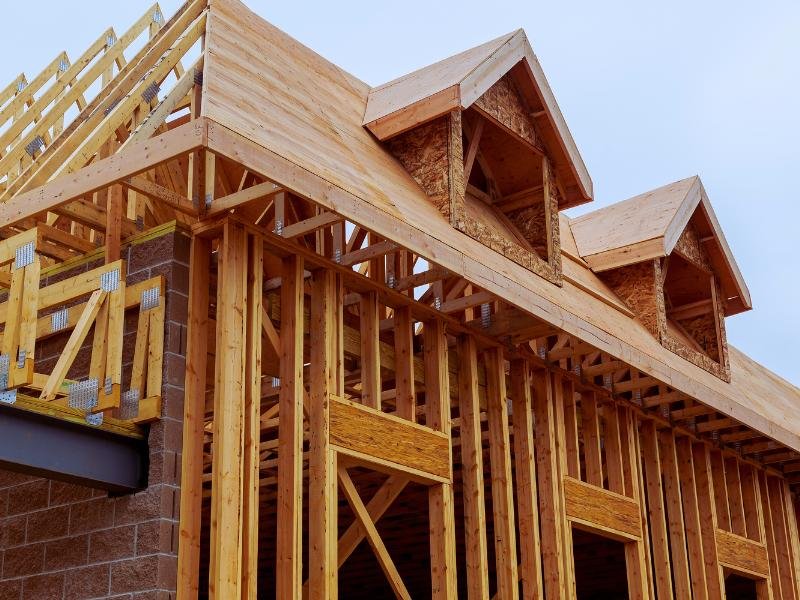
(649, 226)
(457, 82)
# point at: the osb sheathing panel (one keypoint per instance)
(691, 248)
(532, 224)
(424, 152)
(637, 285)
(505, 105)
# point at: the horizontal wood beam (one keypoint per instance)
(140, 157)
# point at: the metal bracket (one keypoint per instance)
(5, 363)
(109, 281)
(437, 303)
(108, 387)
(34, 146)
(8, 397)
(279, 227)
(95, 419)
(150, 298)
(209, 198)
(24, 255)
(59, 320)
(21, 356)
(129, 405)
(83, 394)
(486, 315)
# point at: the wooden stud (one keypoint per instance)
(440, 497)
(227, 536)
(591, 440)
(193, 417)
(557, 583)
(404, 363)
(502, 490)
(684, 528)
(472, 471)
(370, 351)
(656, 511)
(323, 542)
(290, 432)
(530, 568)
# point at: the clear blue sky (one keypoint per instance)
(653, 92)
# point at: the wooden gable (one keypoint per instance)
(679, 300)
(486, 171)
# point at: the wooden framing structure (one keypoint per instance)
(394, 337)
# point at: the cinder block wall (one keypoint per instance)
(62, 541)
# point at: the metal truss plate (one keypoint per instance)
(83, 394)
(109, 281)
(5, 362)
(24, 255)
(21, 356)
(8, 397)
(151, 298)
(95, 419)
(129, 405)
(59, 320)
(158, 17)
(34, 146)
(63, 66)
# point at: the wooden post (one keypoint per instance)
(227, 490)
(691, 512)
(252, 416)
(708, 520)
(591, 439)
(502, 485)
(472, 471)
(370, 351)
(323, 489)
(675, 522)
(657, 512)
(555, 536)
(404, 363)
(193, 413)
(530, 567)
(113, 223)
(290, 433)
(440, 497)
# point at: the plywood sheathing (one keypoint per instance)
(424, 153)
(639, 287)
(504, 104)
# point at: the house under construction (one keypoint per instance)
(270, 332)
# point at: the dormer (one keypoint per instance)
(664, 254)
(482, 135)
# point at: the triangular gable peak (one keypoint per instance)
(664, 254)
(480, 133)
